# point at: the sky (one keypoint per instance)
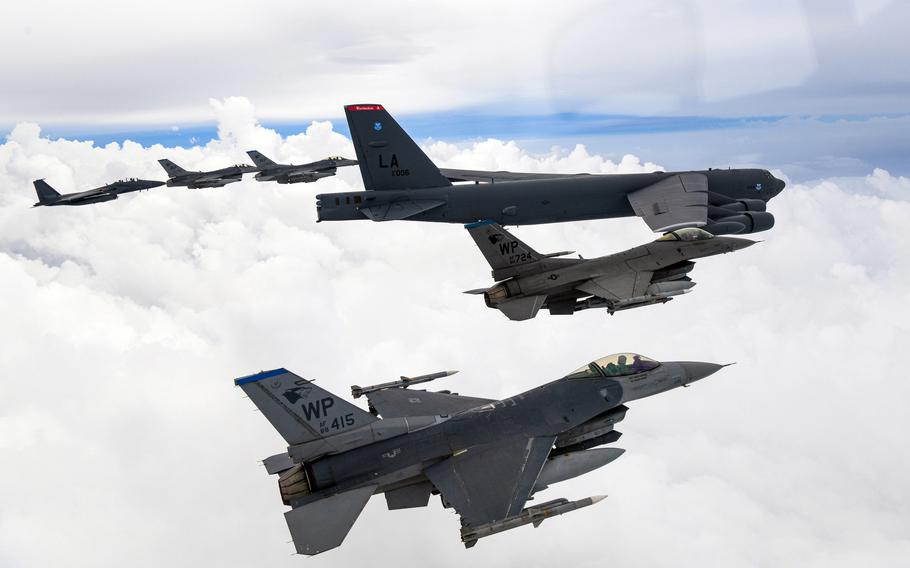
(122, 436)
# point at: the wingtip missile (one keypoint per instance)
(532, 515)
(403, 382)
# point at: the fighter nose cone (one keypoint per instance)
(732, 244)
(696, 370)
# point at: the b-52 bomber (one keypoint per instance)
(48, 196)
(303, 173)
(179, 177)
(484, 457)
(401, 182)
(648, 274)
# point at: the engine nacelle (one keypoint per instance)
(750, 221)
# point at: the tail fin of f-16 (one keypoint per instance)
(389, 158)
(172, 169)
(259, 159)
(300, 410)
(501, 248)
(46, 193)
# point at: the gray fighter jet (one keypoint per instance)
(648, 274)
(402, 183)
(304, 173)
(47, 195)
(179, 177)
(485, 458)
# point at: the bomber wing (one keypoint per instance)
(481, 176)
(396, 403)
(677, 201)
(491, 482)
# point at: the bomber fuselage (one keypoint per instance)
(540, 201)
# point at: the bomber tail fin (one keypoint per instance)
(46, 193)
(389, 158)
(172, 169)
(260, 159)
(300, 410)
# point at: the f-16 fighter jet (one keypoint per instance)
(289, 173)
(641, 276)
(402, 183)
(47, 195)
(179, 177)
(485, 458)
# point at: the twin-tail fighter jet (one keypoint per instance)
(268, 170)
(401, 182)
(48, 196)
(648, 274)
(179, 177)
(485, 458)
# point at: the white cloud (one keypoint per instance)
(123, 439)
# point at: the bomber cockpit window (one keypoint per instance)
(687, 234)
(615, 365)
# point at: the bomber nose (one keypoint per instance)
(696, 370)
(779, 185)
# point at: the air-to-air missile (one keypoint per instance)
(403, 382)
(532, 515)
(484, 457)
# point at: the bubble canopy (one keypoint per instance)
(687, 234)
(616, 365)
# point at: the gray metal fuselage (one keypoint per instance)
(549, 410)
(101, 194)
(304, 173)
(564, 274)
(214, 178)
(574, 198)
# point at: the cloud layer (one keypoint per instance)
(304, 61)
(124, 440)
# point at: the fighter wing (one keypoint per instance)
(620, 286)
(677, 201)
(489, 483)
(482, 176)
(398, 210)
(396, 403)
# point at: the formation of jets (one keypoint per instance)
(484, 458)
(266, 170)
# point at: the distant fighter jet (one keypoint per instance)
(648, 274)
(484, 457)
(289, 173)
(47, 195)
(195, 180)
(402, 183)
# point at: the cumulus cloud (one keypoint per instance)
(124, 440)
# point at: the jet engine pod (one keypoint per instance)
(754, 204)
(750, 221)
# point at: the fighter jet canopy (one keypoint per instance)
(614, 365)
(687, 234)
